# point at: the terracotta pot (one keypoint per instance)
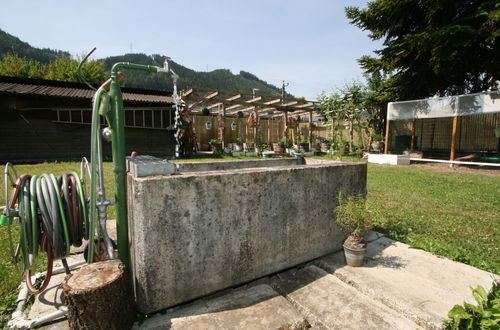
(354, 257)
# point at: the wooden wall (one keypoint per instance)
(32, 136)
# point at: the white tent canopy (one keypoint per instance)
(449, 106)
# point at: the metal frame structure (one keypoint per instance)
(452, 107)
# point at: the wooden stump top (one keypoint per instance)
(96, 275)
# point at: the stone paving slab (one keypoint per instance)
(398, 287)
(417, 284)
(256, 307)
(330, 303)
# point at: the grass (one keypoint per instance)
(454, 215)
(450, 214)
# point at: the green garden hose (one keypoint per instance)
(52, 216)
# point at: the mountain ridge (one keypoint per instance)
(216, 79)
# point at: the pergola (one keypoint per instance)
(231, 104)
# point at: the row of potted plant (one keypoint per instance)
(302, 146)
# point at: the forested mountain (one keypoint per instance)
(11, 44)
(217, 79)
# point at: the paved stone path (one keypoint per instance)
(398, 288)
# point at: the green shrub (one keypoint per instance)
(352, 215)
(486, 315)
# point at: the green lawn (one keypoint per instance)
(450, 214)
(455, 215)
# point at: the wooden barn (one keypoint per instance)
(44, 120)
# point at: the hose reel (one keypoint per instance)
(52, 214)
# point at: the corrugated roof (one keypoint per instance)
(26, 86)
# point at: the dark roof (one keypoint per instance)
(29, 86)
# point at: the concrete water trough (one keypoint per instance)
(213, 225)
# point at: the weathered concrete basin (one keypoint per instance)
(215, 225)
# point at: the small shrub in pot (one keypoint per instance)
(353, 217)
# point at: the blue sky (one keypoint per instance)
(309, 44)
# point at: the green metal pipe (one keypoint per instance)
(118, 151)
(132, 66)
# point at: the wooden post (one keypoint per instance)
(246, 130)
(99, 296)
(193, 124)
(412, 146)
(387, 130)
(256, 127)
(285, 131)
(222, 126)
(269, 128)
(453, 137)
(310, 129)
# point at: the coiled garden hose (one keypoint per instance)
(52, 217)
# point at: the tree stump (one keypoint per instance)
(99, 296)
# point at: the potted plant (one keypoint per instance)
(205, 112)
(378, 142)
(324, 145)
(354, 219)
(238, 146)
(260, 147)
(281, 146)
(216, 146)
(304, 146)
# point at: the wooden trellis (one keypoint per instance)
(233, 104)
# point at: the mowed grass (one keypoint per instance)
(455, 215)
